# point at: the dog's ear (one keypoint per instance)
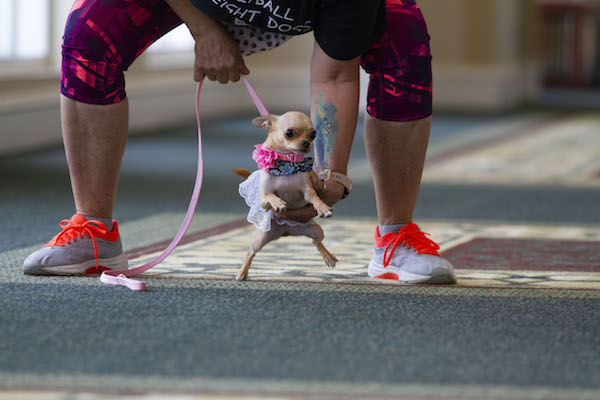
(265, 121)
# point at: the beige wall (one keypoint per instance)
(481, 32)
(484, 53)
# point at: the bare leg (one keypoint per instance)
(95, 138)
(396, 151)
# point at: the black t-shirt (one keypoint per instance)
(343, 28)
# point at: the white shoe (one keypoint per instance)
(82, 248)
(410, 257)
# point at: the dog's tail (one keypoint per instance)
(244, 173)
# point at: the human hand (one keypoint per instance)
(218, 57)
(330, 192)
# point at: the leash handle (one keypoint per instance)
(123, 277)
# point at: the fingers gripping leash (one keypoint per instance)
(123, 277)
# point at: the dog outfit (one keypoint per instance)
(275, 164)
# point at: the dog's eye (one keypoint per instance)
(290, 133)
(312, 135)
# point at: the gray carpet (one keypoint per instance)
(302, 333)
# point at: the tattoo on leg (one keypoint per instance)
(327, 129)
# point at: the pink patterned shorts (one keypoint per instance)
(399, 65)
(103, 38)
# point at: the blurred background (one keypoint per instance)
(490, 56)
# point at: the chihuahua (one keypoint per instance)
(283, 182)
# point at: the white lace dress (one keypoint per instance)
(250, 191)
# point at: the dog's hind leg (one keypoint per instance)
(315, 232)
(329, 258)
(259, 240)
(242, 274)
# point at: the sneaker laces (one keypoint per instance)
(414, 239)
(72, 230)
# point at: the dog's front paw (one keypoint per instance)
(277, 204)
(323, 210)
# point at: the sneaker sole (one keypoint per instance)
(439, 275)
(85, 268)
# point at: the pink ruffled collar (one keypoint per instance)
(265, 157)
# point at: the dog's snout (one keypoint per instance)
(305, 143)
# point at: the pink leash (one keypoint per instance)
(123, 277)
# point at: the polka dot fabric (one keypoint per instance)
(253, 40)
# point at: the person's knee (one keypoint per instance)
(92, 68)
(397, 97)
(389, 129)
(400, 84)
(400, 87)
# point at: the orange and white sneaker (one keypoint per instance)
(409, 256)
(83, 247)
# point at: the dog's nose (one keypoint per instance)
(305, 143)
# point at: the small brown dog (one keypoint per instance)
(282, 182)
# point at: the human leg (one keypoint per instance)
(102, 38)
(396, 137)
(94, 138)
(399, 108)
(396, 151)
